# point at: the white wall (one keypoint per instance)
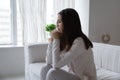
(105, 19)
(82, 7)
(11, 61)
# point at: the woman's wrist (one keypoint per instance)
(56, 40)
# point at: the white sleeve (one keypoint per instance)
(49, 54)
(76, 49)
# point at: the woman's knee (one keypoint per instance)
(51, 74)
(52, 71)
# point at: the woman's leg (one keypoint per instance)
(44, 71)
(59, 74)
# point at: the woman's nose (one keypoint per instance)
(57, 25)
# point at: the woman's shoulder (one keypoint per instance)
(78, 40)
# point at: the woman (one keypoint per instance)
(69, 46)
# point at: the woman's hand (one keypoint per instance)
(55, 34)
(50, 39)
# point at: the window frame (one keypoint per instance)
(13, 7)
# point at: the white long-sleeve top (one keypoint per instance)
(78, 58)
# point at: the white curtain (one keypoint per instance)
(33, 19)
(62, 4)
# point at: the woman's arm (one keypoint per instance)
(92, 75)
(76, 49)
(91, 69)
(49, 53)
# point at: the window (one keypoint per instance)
(5, 30)
(10, 27)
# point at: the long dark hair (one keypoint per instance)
(71, 29)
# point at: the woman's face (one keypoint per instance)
(59, 23)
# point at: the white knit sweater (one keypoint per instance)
(79, 60)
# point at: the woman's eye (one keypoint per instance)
(59, 22)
